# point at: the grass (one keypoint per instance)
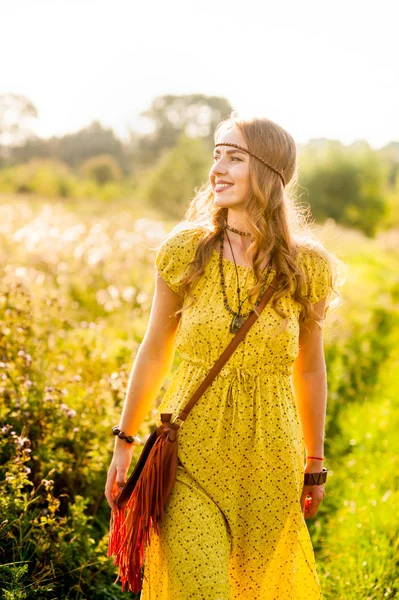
(356, 539)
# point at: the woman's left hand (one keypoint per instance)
(317, 494)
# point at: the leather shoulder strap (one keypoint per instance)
(224, 357)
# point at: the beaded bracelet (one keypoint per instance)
(122, 435)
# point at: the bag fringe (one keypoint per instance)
(130, 527)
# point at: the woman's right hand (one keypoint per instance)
(116, 476)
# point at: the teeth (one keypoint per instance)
(220, 185)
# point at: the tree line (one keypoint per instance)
(355, 185)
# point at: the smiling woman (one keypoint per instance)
(234, 525)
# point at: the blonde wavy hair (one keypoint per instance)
(275, 220)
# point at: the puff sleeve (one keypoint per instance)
(175, 253)
(318, 271)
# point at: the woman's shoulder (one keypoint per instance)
(180, 243)
(183, 235)
(310, 251)
(176, 251)
(317, 264)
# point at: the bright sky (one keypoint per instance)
(318, 68)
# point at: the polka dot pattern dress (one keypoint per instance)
(233, 527)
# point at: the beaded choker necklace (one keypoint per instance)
(238, 318)
(236, 230)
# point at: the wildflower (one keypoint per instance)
(22, 441)
(48, 483)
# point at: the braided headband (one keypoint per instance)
(254, 155)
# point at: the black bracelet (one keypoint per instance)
(122, 435)
(315, 478)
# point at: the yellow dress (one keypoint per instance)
(233, 527)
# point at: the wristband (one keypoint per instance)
(315, 478)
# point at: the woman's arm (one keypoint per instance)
(310, 391)
(310, 387)
(153, 360)
(152, 364)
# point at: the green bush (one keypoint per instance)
(47, 177)
(346, 185)
(170, 185)
(51, 178)
(102, 169)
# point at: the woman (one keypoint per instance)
(234, 525)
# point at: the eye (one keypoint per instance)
(232, 158)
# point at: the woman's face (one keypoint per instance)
(230, 166)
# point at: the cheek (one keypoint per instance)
(243, 177)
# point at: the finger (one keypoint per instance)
(310, 514)
(313, 508)
(110, 500)
(304, 499)
(120, 479)
(305, 492)
(316, 500)
(309, 510)
(109, 489)
(308, 502)
(117, 488)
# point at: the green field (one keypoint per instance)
(75, 293)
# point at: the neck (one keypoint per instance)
(238, 221)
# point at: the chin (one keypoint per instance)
(219, 199)
(226, 203)
(223, 205)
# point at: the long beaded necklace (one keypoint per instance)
(238, 318)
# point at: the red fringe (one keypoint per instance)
(130, 527)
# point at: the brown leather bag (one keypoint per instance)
(143, 498)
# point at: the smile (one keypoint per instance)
(220, 187)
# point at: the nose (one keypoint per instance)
(218, 166)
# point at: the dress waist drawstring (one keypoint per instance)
(244, 377)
